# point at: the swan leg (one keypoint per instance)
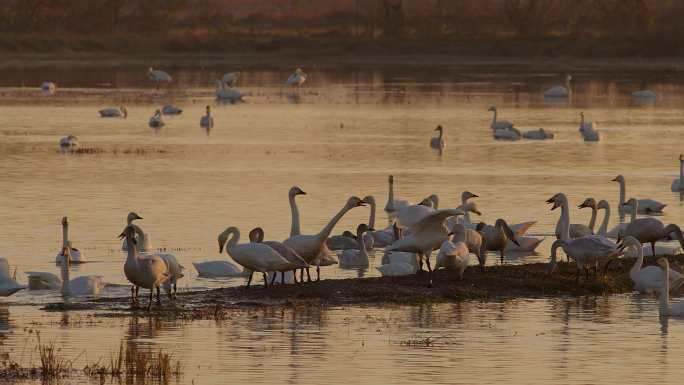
(159, 295)
(275, 273)
(265, 280)
(149, 303)
(318, 273)
(427, 263)
(134, 299)
(502, 256)
(282, 277)
(294, 275)
(579, 271)
(308, 276)
(653, 248)
(175, 290)
(249, 280)
(586, 273)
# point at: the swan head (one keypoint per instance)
(256, 235)
(467, 195)
(439, 128)
(132, 216)
(501, 224)
(557, 200)
(603, 204)
(391, 179)
(65, 221)
(619, 179)
(223, 237)
(362, 228)
(681, 158)
(355, 202)
(568, 78)
(294, 191)
(208, 110)
(589, 202)
(492, 109)
(369, 199)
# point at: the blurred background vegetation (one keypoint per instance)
(467, 27)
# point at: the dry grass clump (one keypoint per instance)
(135, 365)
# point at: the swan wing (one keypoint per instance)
(216, 269)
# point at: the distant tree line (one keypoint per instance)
(353, 20)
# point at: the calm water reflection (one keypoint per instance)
(341, 135)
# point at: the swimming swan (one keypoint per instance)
(499, 124)
(225, 93)
(356, 257)
(649, 279)
(297, 78)
(113, 112)
(8, 283)
(69, 142)
(231, 78)
(80, 286)
(48, 88)
(76, 255)
(393, 204)
(646, 206)
(678, 184)
(156, 120)
(438, 142)
(207, 121)
(559, 91)
(170, 109)
(676, 309)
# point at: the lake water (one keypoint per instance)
(341, 135)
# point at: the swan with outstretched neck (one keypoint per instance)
(313, 248)
(665, 308)
(76, 255)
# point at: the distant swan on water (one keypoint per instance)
(438, 142)
(559, 91)
(158, 76)
(76, 256)
(170, 109)
(113, 112)
(156, 120)
(297, 79)
(207, 121)
(48, 88)
(224, 92)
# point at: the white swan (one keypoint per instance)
(313, 247)
(665, 308)
(294, 210)
(113, 112)
(465, 196)
(68, 142)
(170, 109)
(616, 231)
(218, 269)
(563, 224)
(649, 279)
(454, 254)
(579, 230)
(8, 283)
(646, 206)
(231, 78)
(499, 124)
(587, 252)
(207, 121)
(156, 120)
(496, 237)
(539, 134)
(438, 142)
(158, 76)
(147, 271)
(223, 92)
(297, 78)
(410, 216)
(559, 91)
(398, 269)
(678, 184)
(48, 88)
(76, 255)
(296, 262)
(376, 238)
(252, 256)
(393, 204)
(427, 235)
(651, 230)
(79, 286)
(356, 257)
(510, 134)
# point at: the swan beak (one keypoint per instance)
(614, 180)
(474, 196)
(555, 204)
(301, 192)
(122, 235)
(371, 229)
(138, 216)
(581, 205)
(220, 248)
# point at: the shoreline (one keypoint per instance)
(497, 283)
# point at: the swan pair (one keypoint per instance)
(89, 285)
(253, 256)
(503, 129)
(438, 142)
(560, 91)
(156, 120)
(146, 271)
(226, 93)
(207, 121)
(113, 112)
(646, 206)
(75, 255)
(8, 282)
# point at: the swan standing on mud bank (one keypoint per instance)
(296, 262)
(588, 251)
(149, 271)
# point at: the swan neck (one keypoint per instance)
(622, 191)
(681, 172)
(390, 197)
(371, 219)
(325, 232)
(294, 228)
(131, 248)
(65, 235)
(592, 221)
(563, 226)
(639, 261)
(494, 117)
(603, 230)
(362, 246)
(233, 240)
(65, 278)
